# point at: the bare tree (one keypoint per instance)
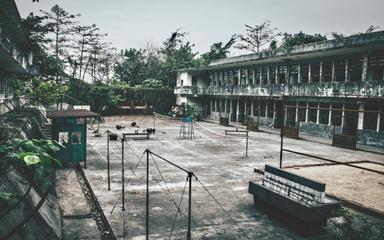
(84, 42)
(62, 23)
(257, 36)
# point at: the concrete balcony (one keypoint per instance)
(324, 89)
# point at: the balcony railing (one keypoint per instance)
(323, 89)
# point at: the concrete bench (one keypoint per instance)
(137, 134)
(298, 201)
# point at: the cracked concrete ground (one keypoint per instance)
(217, 160)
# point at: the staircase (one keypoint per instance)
(47, 130)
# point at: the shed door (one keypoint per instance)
(78, 143)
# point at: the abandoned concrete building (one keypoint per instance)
(334, 84)
(15, 55)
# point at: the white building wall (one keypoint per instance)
(184, 79)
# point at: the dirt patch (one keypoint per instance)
(356, 185)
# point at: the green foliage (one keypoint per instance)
(150, 83)
(6, 198)
(138, 65)
(194, 111)
(132, 69)
(353, 226)
(44, 92)
(31, 157)
(30, 152)
(300, 38)
(105, 98)
(217, 51)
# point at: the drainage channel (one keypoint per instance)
(98, 214)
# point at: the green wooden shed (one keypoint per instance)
(69, 127)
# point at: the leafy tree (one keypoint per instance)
(150, 83)
(132, 69)
(177, 55)
(300, 38)
(217, 51)
(257, 36)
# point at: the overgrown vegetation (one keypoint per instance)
(353, 226)
(35, 159)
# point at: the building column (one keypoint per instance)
(246, 77)
(318, 113)
(268, 75)
(307, 113)
(274, 111)
(216, 106)
(297, 112)
(321, 75)
(299, 74)
(253, 76)
(330, 115)
(238, 110)
(230, 109)
(346, 70)
(287, 74)
(220, 107)
(342, 116)
(266, 109)
(309, 73)
(378, 119)
(240, 77)
(245, 108)
(225, 107)
(210, 105)
(252, 109)
(333, 71)
(260, 75)
(276, 75)
(360, 122)
(364, 73)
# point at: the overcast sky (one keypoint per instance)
(132, 23)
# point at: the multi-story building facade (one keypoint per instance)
(15, 54)
(334, 84)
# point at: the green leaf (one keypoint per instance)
(6, 196)
(31, 160)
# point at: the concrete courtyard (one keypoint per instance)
(219, 163)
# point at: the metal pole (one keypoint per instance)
(122, 174)
(190, 174)
(109, 179)
(147, 202)
(154, 121)
(282, 134)
(246, 146)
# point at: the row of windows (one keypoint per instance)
(347, 69)
(313, 112)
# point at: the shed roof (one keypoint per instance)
(71, 113)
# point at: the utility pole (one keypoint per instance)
(190, 174)
(108, 168)
(122, 174)
(147, 202)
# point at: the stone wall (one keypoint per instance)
(45, 223)
(370, 138)
(364, 137)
